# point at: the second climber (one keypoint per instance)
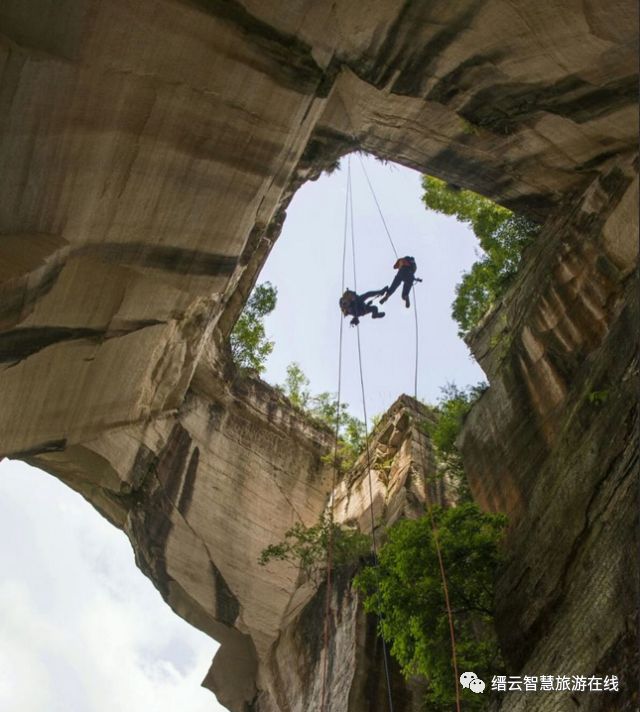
(356, 305)
(406, 267)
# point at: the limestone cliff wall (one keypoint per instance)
(149, 151)
(200, 493)
(403, 479)
(554, 443)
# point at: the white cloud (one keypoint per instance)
(82, 629)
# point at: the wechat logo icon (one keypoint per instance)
(472, 682)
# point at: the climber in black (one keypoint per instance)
(406, 267)
(356, 305)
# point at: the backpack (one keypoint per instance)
(405, 262)
(347, 300)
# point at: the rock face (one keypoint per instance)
(554, 443)
(402, 472)
(200, 494)
(149, 151)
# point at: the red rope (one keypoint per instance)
(434, 530)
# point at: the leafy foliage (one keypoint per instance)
(249, 344)
(351, 430)
(452, 408)
(296, 386)
(598, 397)
(502, 235)
(308, 547)
(353, 439)
(324, 407)
(407, 594)
(450, 413)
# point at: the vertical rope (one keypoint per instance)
(415, 312)
(434, 528)
(385, 653)
(353, 245)
(335, 457)
(349, 217)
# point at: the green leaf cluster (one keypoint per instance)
(351, 430)
(308, 546)
(598, 397)
(250, 346)
(296, 386)
(324, 407)
(452, 408)
(443, 431)
(502, 236)
(407, 593)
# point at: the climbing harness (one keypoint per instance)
(349, 214)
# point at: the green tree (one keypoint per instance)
(308, 547)
(502, 236)
(296, 386)
(324, 407)
(249, 344)
(351, 430)
(406, 592)
(452, 408)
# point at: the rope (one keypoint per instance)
(434, 528)
(373, 193)
(349, 217)
(335, 456)
(415, 312)
(353, 245)
(385, 654)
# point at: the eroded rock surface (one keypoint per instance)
(396, 480)
(149, 151)
(562, 355)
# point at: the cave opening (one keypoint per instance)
(305, 267)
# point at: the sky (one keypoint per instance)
(82, 630)
(306, 267)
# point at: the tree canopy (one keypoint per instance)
(307, 547)
(296, 386)
(406, 592)
(250, 346)
(453, 406)
(324, 407)
(503, 236)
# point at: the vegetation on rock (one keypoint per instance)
(324, 407)
(308, 547)
(250, 346)
(405, 591)
(450, 413)
(503, 237)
